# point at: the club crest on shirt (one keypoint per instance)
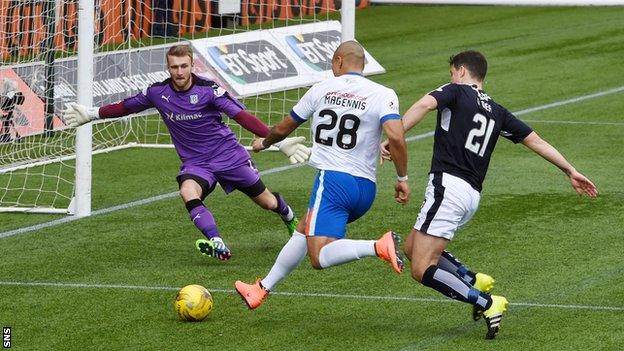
(194, 99)
(394, 106)
(218, 91)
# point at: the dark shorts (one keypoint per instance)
(244, 178)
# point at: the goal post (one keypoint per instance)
(347, 17)
(106, 50)
(84, 134)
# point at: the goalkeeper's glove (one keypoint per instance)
(294, 150)
(76, 115)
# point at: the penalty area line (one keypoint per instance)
(303, 295)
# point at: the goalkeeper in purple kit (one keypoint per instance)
(191, 109)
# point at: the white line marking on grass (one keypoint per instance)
(570, 101)
(92, 286)
(576, 122)
(292, 294)
(284, 168)
(419, 136)
(572, 307)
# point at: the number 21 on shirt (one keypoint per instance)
(486, 126)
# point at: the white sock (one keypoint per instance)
(287, 260)
(345, 250)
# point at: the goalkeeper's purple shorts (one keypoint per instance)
(243, 176)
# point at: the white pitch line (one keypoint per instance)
(419, 136)
(293, 294)
(570, 101)
(284, 168)
(575, 122)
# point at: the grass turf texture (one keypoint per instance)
(542, 243)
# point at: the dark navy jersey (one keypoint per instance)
(468, 125)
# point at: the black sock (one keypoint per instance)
(454, 287)
(191, 204)
(449, 263)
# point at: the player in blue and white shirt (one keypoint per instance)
(468, 126)
(347, 115)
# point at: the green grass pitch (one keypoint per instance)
(108, 282)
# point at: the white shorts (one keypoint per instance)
(450, 202)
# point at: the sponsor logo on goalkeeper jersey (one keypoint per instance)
(182, 117)
(252, 61)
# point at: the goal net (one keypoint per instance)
(248, 46)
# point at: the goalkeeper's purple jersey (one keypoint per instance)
(194, 120)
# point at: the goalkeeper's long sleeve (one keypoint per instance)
(114, 110)
(252, 123)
